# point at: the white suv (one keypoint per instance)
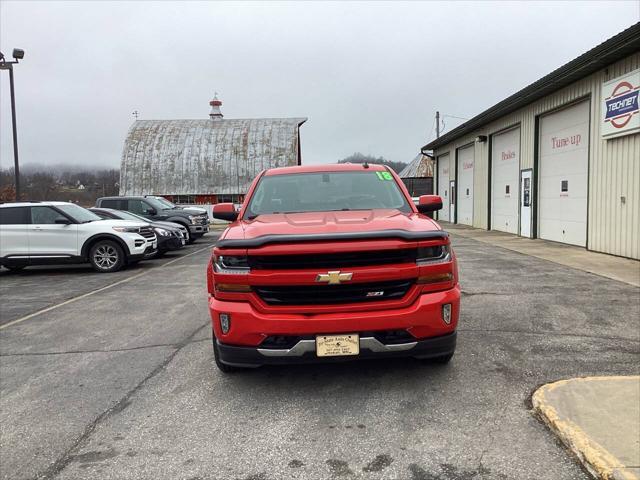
(46, 233)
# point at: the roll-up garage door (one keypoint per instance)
(465, 185)
(563, 167)
(505, 170)
(443, 186)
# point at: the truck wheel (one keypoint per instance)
(106, 256)
(223, 367)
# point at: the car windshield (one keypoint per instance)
(321, 192)
(79, 214)
(164, 201)
(131, 216)
(157, 204)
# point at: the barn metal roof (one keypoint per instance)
(222, 156)
(421, 166)
(616, 48)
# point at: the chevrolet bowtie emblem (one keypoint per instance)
(334, 278)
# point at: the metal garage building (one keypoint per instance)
(205, 161)
(558, 160)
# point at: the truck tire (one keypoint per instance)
(106, 256)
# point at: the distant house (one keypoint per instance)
(418, 175)
(205, 161)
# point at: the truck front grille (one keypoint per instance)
(333, 294)
(332, 260)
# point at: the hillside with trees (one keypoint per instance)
(358, 157)
(67, 183)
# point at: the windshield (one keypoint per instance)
(79, 214)
(322, 192)
(131, 216)
(157, 204)
(164, 202)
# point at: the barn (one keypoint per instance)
(207, 161)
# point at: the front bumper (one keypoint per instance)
(169, 243)
(305, 352)
(199, 229)
(140, 247)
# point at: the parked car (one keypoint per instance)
(195, 221)
(171, 236)
(48, 233)
(331, 262)
(171, 205)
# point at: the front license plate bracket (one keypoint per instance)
(337, 345)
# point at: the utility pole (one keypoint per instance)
(18, 54)
(437, 124)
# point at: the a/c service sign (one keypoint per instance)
(620, 104)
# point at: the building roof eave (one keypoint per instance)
(616, 48)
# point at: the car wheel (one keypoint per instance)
(223, 367)
(106, 256)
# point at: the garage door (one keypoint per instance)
(505, 170)
(443, 186)
(465, 185)
(564, 160)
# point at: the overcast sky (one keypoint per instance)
(369, 76)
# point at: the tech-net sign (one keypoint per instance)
(620, 103)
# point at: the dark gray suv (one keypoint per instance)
(196, 221)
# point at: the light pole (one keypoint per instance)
(6, 65)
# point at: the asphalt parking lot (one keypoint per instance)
(120, 383)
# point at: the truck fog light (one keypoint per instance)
(225, 322)
(446, 313)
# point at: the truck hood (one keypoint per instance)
(194, 210)
(313, 223)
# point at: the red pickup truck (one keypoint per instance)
(331, 262)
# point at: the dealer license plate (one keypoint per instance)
(337, 345)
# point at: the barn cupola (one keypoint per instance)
(215, 114)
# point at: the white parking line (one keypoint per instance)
(93, 292)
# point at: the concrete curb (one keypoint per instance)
(595, 458)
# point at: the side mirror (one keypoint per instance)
(62, 221)
(151, 211)
(225, 211)
(429, 203)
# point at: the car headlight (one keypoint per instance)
(232, 264)
(435, 254)
(193, 219)
(127, 229)
(162, 232)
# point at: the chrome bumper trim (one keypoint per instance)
(366, 343)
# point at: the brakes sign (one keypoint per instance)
(620, 105)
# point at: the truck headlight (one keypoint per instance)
(162, 232)
(232, 264)
(193, 219)
(435, 254)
